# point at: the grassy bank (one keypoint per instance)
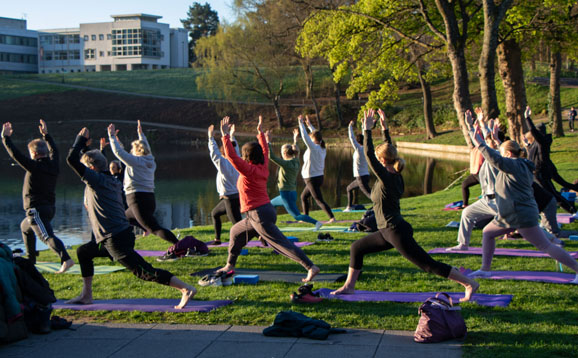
(542, 319)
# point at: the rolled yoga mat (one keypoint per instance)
(52, 267)
(376, 296)
(538, 276)
(280, 276)
(143, 305)
(498, 252)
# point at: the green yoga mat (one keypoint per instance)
(308, 228)
(52, 267)
(280, 276)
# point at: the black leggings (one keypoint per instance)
(471, 180)
(120, 248)
(140, 212)
(37, 224)
(313, 188)
(402, 239)
(362, 183)
(230, 206)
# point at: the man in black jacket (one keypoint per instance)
(38, 192)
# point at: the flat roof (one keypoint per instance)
(155, 17)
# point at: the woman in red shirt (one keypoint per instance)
(261, 216)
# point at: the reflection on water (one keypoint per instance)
(186, 191)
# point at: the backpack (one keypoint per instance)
(368, 223)
(295, 324)
(440, 320)
(188, 244)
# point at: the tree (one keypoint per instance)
(201, 21)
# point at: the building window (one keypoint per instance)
(18, 58)
(75, 54)
(47, 56)
(89, 54)
(18, 40)
(93, 37)
(108, 36)
(85, 37)
(101, 37)
(74, 39)
(60, 39)
(46, 40)
(101, 53)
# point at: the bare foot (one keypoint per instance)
(314, 270)
(188, 293)
(332, 220)
(470, 290)
(66, 265)
(227, 268)
(343, 291)
(80, 300)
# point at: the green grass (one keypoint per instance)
(13, 88)
(541, 321)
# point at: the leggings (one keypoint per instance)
(120, 248)
(37, 224)
(288, 200)
(313, 188)
(362, 183)
(471, 180)
(400, 237)
(534, 235)
(231, 207)
(261, 222)
(140, 212)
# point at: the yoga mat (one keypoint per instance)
(323, 228)
(538, 276)
(324, 222)
(373, 296)
(499, 252)
(259, 244)
(565, 218)
(456, 205)
(143, 305)
(52, 267)
(350, 211)
(280, 276)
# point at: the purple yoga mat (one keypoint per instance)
(324, 222)
(143, 305)
(373, 296)
(550, 277)
(259, 244)
(565, 218)
(498, 252)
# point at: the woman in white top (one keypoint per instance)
(360, 170)
(139, 184)
(313, 168)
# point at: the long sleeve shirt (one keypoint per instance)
(288, 170)
(252, 182)
(314, 156)
(359, 162)
(41, 174)
(139, 175)
(387, 190)
(227, 175)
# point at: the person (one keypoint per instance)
(360, 170)
(571, 118)
(476, 160)
(287, 183)
(516, 207)
(227, 177)
(313, 168)
(260, 217)
(113, 236)
(139, 177)
(38, 192)
(394, 231)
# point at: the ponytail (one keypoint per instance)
(316, 136)
(399, 165)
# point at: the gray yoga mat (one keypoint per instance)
(280, 276)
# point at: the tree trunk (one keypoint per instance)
(278, 112)
(493, 16)
(337, 93)
(309, 81)
(429, 175)
(512, 74)
(555, 114)
(430, 128)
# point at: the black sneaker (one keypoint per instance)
(168, 257)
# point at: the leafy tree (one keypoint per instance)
(201, 21)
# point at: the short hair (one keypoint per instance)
(38, 146)
(253, 153)
(96, 159)
(388, 152)
(140, 148)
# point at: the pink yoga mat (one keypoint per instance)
(498, 252)
(143, 305)
(538, 276)
(376, 296)
(565, 218)
(324, 222)
(259, 244)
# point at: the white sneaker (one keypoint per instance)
(318, 226)
(459, 247)
(347, 209)
(480, 273)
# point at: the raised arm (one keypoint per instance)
(52, 148)
(304, 135)
(141, 136)
(25, 162)
(309, 124)
(274, 158)
(119, 152)
(229, 152)
(73, 158)
(234, 140)
(374, 164)
(351, 135)
(384, 128)
(538, 136)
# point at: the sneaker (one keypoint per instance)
(194, 253)
(347, 209)
(459, 247)
(210, 280)
(318, 226)
(168, 257)
(481, 274)
(227, 278)
(305, 295)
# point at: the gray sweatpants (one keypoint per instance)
(548, 218)
(261, 222)
(482, 209)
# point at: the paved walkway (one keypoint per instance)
(203, 341)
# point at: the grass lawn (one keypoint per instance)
(542, 319)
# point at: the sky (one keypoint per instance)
(58, 14)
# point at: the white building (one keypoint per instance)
(130, 42)
(18, 46)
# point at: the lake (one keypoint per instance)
(186, 190)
